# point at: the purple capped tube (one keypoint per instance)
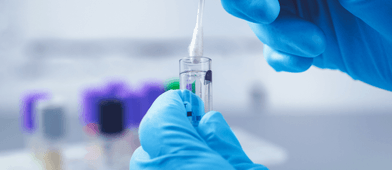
(28, 115)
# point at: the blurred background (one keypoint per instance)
(319, 119)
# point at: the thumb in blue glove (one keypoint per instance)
(169, 141)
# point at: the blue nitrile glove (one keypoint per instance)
(169, 141)
(353, 36)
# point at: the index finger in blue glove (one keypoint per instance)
(376, 13)
(219, 137)
(291, 34)
(257, 11)
(281, 61)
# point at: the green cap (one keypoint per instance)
(172, 84)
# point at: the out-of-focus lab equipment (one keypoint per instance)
(44, 120)
(111, 115)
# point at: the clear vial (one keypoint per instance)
(196, 76)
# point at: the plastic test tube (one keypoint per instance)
(52, 115)
(111, 121)
(43, 119)
(196, 76)
(30, 124)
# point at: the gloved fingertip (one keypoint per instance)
(264, 11)
(139, 153)
(213, 117)
(318, 43)
(218, 135)
(251, 166)
(257, 11)
(280, 61)
(212, 125)
(292, 34)
(138, 157)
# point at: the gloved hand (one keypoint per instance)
(169, 141)
(353, 36)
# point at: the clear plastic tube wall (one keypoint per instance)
(196, 76)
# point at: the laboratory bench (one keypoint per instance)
(281, 141)
(325, 141)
